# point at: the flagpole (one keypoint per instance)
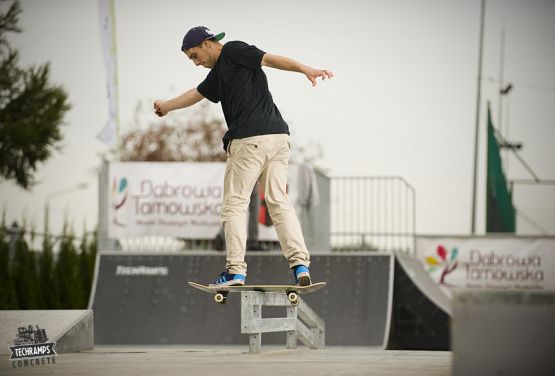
(110, 133)
(116, 80)
(477, 129)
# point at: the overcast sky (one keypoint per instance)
(402, 102)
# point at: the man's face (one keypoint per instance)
(200, 55)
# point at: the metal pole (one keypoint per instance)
(46, 215)
(60, 192)
(501, 94)
(501, 84)
(477, 130)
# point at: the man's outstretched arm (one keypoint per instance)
(188, 98)
(285, 63)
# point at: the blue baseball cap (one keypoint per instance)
(197, 35)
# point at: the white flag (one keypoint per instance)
(108, 135)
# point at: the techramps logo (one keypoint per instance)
(31, 348)
(447, 262)
(119, 196)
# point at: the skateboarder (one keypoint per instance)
(256, 143)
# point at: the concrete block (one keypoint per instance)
(71, 330)
(499, 332)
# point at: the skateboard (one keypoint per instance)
(291, 291)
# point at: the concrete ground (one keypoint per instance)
(212, 361)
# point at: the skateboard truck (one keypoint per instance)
(293, 297)
(221, 297)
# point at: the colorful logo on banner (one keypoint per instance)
(445, 260)
(31, 348)
(120, 194)
(494, 263)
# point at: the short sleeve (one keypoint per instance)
(209, 87)
(244, 54)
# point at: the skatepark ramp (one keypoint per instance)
(371, 299)
(420, 310)
(71, 330)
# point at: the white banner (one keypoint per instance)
(482, 262)
(181, 200)
(168, 199)
(108, 134)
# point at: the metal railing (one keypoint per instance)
(372, 214)
(34, 240)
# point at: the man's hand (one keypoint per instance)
(159, 108)
(285, 63)
(188, 98)
(313, 74)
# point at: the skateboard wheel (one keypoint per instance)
(293, 298)
(219, 298)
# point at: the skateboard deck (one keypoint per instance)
(292, 291)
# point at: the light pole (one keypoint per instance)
(477, 127)
(57, 193)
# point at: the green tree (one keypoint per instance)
(24, 273)
(67, 273)
(92, 245)
(8, 296)
(36, 301)
(48, 283)
(31, 108)
(86, 269)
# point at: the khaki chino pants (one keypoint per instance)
(264, 159)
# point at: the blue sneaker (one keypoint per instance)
(227, 279)
(302, 275)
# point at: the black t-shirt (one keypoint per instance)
(238, 81)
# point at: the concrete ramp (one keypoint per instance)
(143, 298)
(414, 269)
(71, 330)
(371, 299)
(420, 310)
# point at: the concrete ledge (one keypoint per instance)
(71, 330)
(499, 332)
(78, 337)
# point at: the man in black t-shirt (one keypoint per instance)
(256, 142)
